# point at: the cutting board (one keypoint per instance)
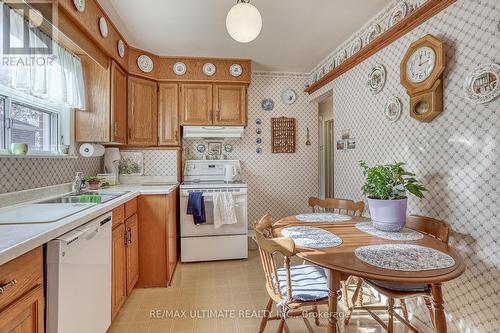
(40, 213)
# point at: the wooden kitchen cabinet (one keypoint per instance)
(168, 114)
(142, 112)
(230, 104)
(25, 315)
(119, 269)
(118, 104)
(196, 104)
(132, 251)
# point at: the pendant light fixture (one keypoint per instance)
(243, 22)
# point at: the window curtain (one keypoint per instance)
(55, 77)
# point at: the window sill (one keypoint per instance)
(56, 156)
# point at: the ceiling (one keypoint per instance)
(296, 35)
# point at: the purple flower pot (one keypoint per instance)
(388, 215)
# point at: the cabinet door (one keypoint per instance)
(132, 231)
(119, 270)
(230, 104)
(118, 104)
(196, 104)
(26, 315)
(168, 113)
(142, 112)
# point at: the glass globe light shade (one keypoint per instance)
(243, 22)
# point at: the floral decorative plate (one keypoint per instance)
(103, 27)
(376, 79)
(209, 69)
(258, 121)
(483, 84)
(393, 109)
(373, 33)
(145, 63)
(201, 148)
(179, 68)
(267, 104)
(289, 96)
(235, 70)
(356, 45)
(398, 13)
(341, 57)
(258, 150)
(228, 148)
(121, 48)
(79, 5)
(332, 66)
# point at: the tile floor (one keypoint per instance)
(224, 286)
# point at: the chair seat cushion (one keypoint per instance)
(309, 282)
(400, 286)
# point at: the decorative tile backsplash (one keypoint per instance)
(279, 184)
(456, 155)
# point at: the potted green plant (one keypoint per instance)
(93, 182)
(386, 188)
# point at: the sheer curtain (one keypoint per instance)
(56, 77)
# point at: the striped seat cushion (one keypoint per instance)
(309, 282)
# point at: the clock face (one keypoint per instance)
(421, 64)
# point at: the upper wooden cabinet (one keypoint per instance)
(118, 104)
(196, 104)
(142, 112)
(168, 114)
(230, 104)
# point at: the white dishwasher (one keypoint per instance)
(79, 279)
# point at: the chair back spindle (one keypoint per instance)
(340, 206)
(430, 226)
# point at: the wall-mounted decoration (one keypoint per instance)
(228, 148)
(267, 104)
(235, 70)
(79, 5)
(341, 144)
(131, 163)
(483, 84)
(179, 68)
(331, 67)
(393, 109)
(356, 45)
(289, 97)
(209, 69)
(398, 13)
(258, 121)
(351, 143)
(341, 57)
(422, 75)
(258, 150)
(346, 133)
(145, 63)
(215, 150)
(103, 27)
(308, 139)
(258, 141)
(121, 48)
(283, 135)
(201, 148)
(376, 79)
(258, 131)
(372, 33)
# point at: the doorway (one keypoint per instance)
(326, 145)
(329, 159)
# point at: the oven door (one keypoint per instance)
(189, 229)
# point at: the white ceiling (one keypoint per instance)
(296, 34)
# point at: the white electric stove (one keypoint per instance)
(203, 242)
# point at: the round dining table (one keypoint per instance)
(342, 262)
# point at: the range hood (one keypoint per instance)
(213, 132)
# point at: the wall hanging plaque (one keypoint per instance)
(376, 79)
(145, 63)
(483, 84)
(283, 135)
(393, 109)
(179, 68)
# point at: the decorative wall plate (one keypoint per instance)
(356, 45)
(103, 27)
(267, 104)
(258, 131)
(121, 48)
(145, 63)
(235, 70)
(258, 141)
(376, 79)
(341, 57)
(258, 121)
(393, 109)
(209, 69)
(179, 68)
(79, 5)
(398, 13)
(201, 148)
(258, 150)
(289, 96)
(228, 148)
(332, 66)
(483, 84)
(373, 33)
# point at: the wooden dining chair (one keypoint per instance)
(341, 206)
(290, 287)
(399, 291)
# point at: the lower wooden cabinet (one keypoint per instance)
(132, 250)
(25, 315)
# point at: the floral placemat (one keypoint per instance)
(323, 217)
(404, 234)
(404, 257)
(311, 237)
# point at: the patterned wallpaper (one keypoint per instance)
(18, 174)
(457, 155)
(279, 184)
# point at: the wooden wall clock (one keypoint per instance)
(422, 75)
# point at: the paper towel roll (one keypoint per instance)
(91, 150)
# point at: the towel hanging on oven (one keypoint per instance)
(224, 209)
(196, 207)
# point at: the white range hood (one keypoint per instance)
(213, 132)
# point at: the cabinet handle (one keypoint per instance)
(130, 133)
(115, 129)
(129, 236)
(6, 286)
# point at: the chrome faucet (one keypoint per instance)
(78, 185)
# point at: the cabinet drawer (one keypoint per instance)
(20, 275)
(118, 215)
(130, 208)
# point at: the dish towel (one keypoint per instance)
(224, 209)
(196, 207)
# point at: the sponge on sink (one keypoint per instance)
(90, 199)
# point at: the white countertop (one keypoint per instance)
(18, 239)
